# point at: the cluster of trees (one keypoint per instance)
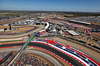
(76, 14)
(79, 14)
(11, 14)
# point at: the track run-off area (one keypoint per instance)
(66, 53)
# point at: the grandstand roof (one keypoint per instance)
(81, 22)
(72, 32)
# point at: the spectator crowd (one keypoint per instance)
(25, 60)
(3, 54)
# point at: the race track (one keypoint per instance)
(60, 54)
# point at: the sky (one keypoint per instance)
(51, 5)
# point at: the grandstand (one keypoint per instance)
(72, 32)
(88, 19)
(25, 60)
(80, 22)
(2, 55)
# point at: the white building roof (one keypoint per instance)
(81, 22)
(72, 32)
(54, 30)
(41, 17)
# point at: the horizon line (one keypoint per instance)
(52, 11)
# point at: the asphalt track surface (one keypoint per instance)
(60, 54)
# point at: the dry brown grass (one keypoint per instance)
(4, 26)
(97, 34)
(11, 42)
(95, 23)
(21, 30)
